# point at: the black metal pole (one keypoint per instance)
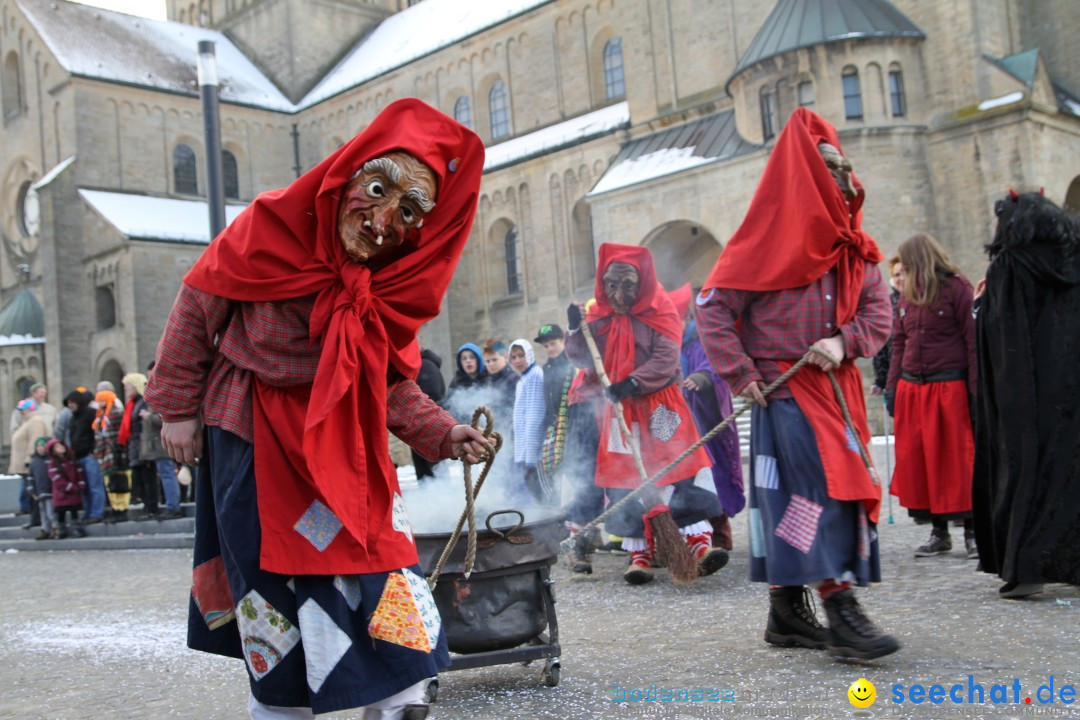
(208, 92)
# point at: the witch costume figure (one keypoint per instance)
(1027, 469)
(638, 332)
(292, 345)
(800, 272)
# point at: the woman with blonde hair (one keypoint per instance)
(931, 381)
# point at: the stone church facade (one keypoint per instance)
(632, 121)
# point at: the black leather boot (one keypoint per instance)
(792, 620)
(851, 634)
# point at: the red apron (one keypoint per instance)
(663, 427)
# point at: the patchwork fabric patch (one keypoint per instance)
(210, 590)
(291, 584)
(799, 525)
(663, 423)
(319, 525)
(324, 643)
(757, 534)
(349, 587)
(267, 635)
(616, 443)
(401, 517)
(425, 605)
(397, 619)
(765, 472)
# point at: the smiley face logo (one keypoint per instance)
(862, 693)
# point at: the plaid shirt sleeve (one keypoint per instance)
(870, 328)
(716, 315)
(420, 423)
(185, 354)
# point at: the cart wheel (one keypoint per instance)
(552, 671)
(431, 692)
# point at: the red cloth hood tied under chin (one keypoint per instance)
(653, 307)
(799, 226)
(286, 245)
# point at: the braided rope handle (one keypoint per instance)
(469, 513)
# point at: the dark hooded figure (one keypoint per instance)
(1027, 471)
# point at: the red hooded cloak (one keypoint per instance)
(328, 443)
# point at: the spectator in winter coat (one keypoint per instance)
(42, 489)
(111, 454)
(81, 432)
(471, 376)
(158, 467)
(35, 424)
(143, 482)
(528, 418)
(68, 485)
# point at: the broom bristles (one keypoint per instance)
(673, 550)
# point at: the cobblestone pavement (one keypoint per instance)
(101, 634)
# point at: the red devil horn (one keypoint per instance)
(1013, 194)
(1042, 191)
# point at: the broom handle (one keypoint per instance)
(605, 382)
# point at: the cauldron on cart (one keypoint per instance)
(504, 612)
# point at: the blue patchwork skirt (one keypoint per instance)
(325, 642)
(798, 534)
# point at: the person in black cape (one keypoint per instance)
(1027, 469)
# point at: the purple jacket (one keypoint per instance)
(68, 480)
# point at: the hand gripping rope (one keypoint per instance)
(469, 513)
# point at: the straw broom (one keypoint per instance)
(670, 545)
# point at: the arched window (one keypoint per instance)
(806, 94)
(499, 111)
(105, 307)
(12, 86)
(896, 92)
(185, 178)
(768, 113)
(614, 78)
(852, 94)
(513, 262)
(230, 175)
(463, 111)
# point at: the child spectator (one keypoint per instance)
(42, 489)
(68, 485)
(528, 417)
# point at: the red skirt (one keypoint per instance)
(663, 427)
(935, 451)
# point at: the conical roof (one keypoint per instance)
(797, 24)
(23, 315)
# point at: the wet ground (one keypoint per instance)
(101, 634)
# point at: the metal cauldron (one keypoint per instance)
(505, 611)
(501, 604)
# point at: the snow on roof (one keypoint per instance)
(647, 167)
(152, 218)
(9, 340)
(412, 33)
(105, 45)
(1013, 97)
(54, 173)
(570, 132)
(707, 140)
